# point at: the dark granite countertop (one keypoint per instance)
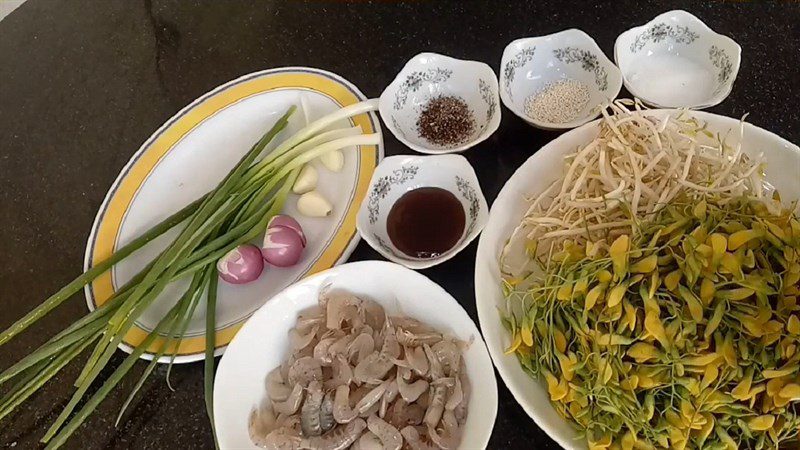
(83, 83)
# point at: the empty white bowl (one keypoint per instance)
(430, 75)
(397, 175)
(263, 343)
(677, 61)
(529, 65)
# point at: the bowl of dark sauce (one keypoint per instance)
(422, 210)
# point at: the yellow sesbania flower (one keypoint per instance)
(701, 304)
(619, 256)
(761, 423)
(515, 343)
(601, 444)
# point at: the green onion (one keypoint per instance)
(211, 342)
(235, 212)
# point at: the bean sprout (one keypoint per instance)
(635, 166)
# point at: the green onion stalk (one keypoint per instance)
(238, 210)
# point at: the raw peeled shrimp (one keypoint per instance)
(336, 308)
(310, 413)
(326, 412)
(305, 370)
(411, 339)
(410, 391)
(292, 402)
(298, 340)
(355, 377)
(456, 396)
(342, 412)
(402, 414)
(416, 359)
(361, 346)
(373, 368)
(342, 373)
(339, 347)
(322, 349)
(367, 441)
(460, 411)
(338, 438)
(411, 324)
(389, 436)
(436, 406)
(414, 439)
(388, 397)
(448, 354)
(371, 399)
(281, 439)
(262, 422)
(276, 388)
(444, 441)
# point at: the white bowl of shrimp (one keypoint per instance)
(364, 355)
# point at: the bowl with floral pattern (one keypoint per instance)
(557, 81)
(432, 78)
(397, 175)
(677, 61)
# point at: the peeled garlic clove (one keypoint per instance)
(306, 181)
(312, 204)
(333, 160)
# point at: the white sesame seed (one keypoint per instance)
(558, 102)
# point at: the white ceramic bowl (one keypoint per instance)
(539, 171)
(397, 175)
(530, 64)
(262, 343)
(430, 75)
(677, 61)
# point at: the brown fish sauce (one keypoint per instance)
(426, 222)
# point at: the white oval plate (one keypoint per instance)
(262, 343)
(545, 166)
(189, 155)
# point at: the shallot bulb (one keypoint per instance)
(241, 265)
(282, 220)
(282, 246)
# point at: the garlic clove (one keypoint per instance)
(333, 160)
(313, 204)
(306, 180)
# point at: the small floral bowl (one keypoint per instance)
(677, 61)
(428, 76)
(397, 175)
(529, 65)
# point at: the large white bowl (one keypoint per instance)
(541, 169)
(262, 343)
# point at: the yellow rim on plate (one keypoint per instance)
(103, 240)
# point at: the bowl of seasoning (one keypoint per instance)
(558, 81)
(422, 210)
(438, 104)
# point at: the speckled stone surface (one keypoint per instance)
(84, 83)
